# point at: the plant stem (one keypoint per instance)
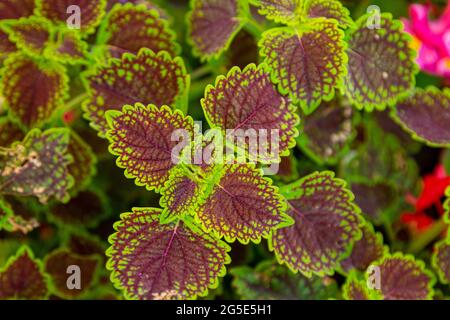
(76, 101)
(254, 28)
(427, 237)
(200, 72)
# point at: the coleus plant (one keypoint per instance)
(315, 71)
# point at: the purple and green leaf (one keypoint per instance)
(381, 66)
(15, 9)
(426, 116)
(441, 260)
(281, 11)
(355, 288)
(212, 25)
(69, 48)
(32, 89)
(37, 166)
(330, 9)
(9, 132)
(327, 223)
(177, 260)
(147, 78)
(308, 60)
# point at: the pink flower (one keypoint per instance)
(431, 38)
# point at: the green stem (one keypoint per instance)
(427, 237)
(254, 28)
(201, 72)
(389, 232)
(76, 101)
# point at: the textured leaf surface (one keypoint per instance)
(355, 289)
(141, 138)
(91, 12)
(309, 61)
(247, 100)
(6, 45)
(212, 25)
(327, 131)
(331, 9)
(381, 65)
(129, 28)
(146, 78)
(281, 11)
(403, 278)
(57, 264)
(270, 281)
(37, 166)
(22, 277)
(365, 250)
(242, 204)
(441, 260)
(326, 224)
(32, 90)
(83, 210)
(181, 195)
(426, 115)
(70, 48)
(29, 34)
(84, 161)
(149, 260)
(9, 132)
(15, 9)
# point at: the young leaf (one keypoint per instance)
(30, 34)
(141, 137)
(129, 28)
(32, 90)
(82, 167)
(270, 281)
(441, 260)
(37, 166)
(57, 264)
(326, 225)
(150, 260)
(146, 78)
(404, 278)
(281, 11)
(22, 277)
(15, 9)
(241, 204)
(355, 289)
(330, 9)
(63, 12)
(212, 25)
(365, 250)
(426, 115)
(381, 66)
(69, 48)
(180, 195)
(86, 209)
(308, 61)
(247, 100)
(327, 132)
(9, 132)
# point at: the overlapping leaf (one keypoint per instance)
(270, 281)
(6, 45)
(30, 34)
(23, 278)
(15, 9)
(69, 48)
(32, 90)
(246, 103)
(426, 115)
(309, 60)
(365, 250)
(9, 132)
(281, 11)
(57, 11)
(331, 9)
(128, 28)
(404, 278)
(146, 78)
(355, 289)
(149, 260)
(326, 224)
(441, 260)
(37, 166)
(213, 24)
(241, 204)
(58, 262)
(141, 137)
(83, 210)
(327, 131)
(381, 66)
